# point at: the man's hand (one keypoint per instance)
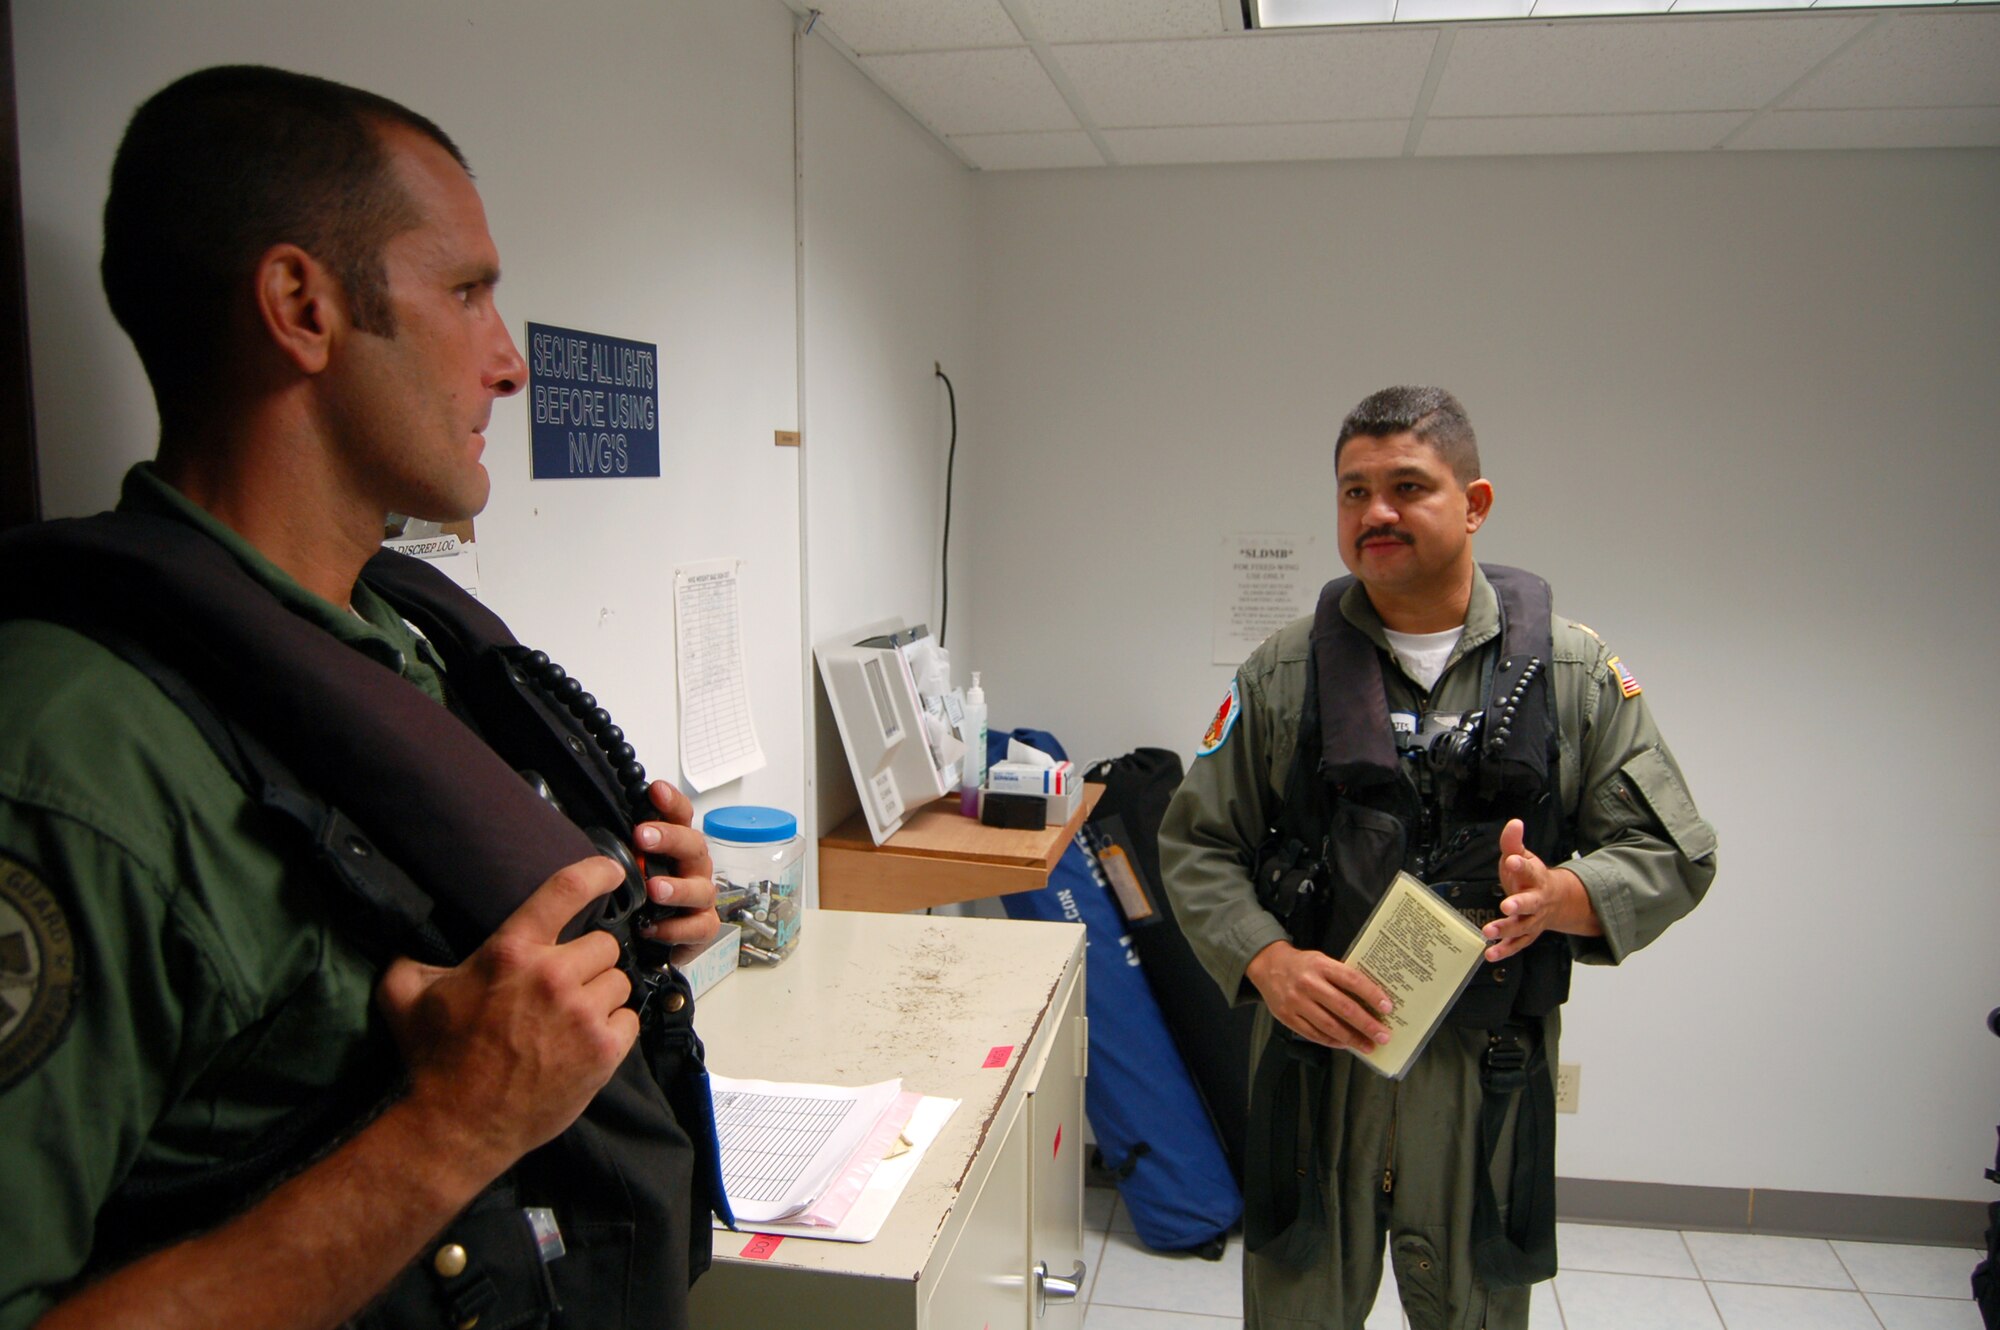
(506, 1049)
(1538, 899)
(692, 890)
(1319, 998)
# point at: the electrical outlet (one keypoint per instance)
(1567, 1076)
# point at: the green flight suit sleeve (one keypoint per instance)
(1644, 853)
(1218, 817)
(83, 1102)
(207, 998)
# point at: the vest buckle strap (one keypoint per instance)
(1503, 1067)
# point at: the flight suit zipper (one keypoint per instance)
(1389, 1155)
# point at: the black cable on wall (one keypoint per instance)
(951, 461)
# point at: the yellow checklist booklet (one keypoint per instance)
(1423, 953)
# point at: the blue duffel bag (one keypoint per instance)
(1152, 1130)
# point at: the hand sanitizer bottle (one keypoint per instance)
(975, 748)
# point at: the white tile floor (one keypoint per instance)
(1612, 1279)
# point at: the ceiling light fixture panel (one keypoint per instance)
(1283, 14)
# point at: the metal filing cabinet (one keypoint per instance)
(991, 1225)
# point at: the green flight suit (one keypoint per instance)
(196, 988)
(1403, 1154)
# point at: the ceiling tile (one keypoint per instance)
(870, 27)
(1944, 127)
(1492, 136)
(1664, 64)
(1928, 59)
(1250, 78)
(973, 92)
(1025, 152)
(1120, 20)
(1258, 143)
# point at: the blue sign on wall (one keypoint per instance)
(593, 404)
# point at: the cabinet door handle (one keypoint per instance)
(1054, 1287)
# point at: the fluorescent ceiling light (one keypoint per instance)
(1319, 13)
(1448, 11)
(1344, 13)
(1574, 8)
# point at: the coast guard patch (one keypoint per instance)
(37, 972)
(1219, 728)
(1626, 683)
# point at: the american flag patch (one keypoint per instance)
(1626, 683)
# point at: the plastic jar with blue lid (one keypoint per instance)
(759, 873)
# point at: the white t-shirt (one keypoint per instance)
(1422, 655)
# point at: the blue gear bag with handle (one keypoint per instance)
(1152, 1130)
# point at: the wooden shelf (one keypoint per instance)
(938, 857)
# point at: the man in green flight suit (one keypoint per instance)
(306, 271)
(1387, 722)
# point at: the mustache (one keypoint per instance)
(1383, 533)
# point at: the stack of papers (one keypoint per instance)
(820, 1161)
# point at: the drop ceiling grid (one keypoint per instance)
(996, 91)
(1249, 80)
(1170, 82)
(874, 27)
(1121, 20)
(1585, 68)
(1258, 143)
(1914, 60)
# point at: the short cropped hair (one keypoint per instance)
(1432, 414)
(219, 166)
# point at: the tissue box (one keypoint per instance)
(1027, 778)
(706, 964)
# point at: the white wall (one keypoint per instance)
(636, 164)
(1737, 410)
(889, 271)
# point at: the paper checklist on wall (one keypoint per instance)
(718, 736)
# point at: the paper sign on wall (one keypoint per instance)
(718, 735)
(1261, 584)
(593, 405)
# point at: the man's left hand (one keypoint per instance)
(690, 889)
(1538, 898)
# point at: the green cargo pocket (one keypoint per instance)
(1659, 785)
(1419, 1279)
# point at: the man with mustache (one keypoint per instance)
(317, 1012)
(1433, 716)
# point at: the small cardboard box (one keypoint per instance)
(707, 964)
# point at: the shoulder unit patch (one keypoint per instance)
(1225, 721)
(38, 972)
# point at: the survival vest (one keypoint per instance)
(1364, 800)
(429, 837)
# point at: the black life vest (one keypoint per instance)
(1370, 806)
(429, 837)
(1360, 805)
